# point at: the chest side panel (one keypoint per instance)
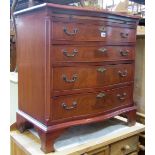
(33, 63)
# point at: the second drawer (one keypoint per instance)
(69, 78)
(64, 53)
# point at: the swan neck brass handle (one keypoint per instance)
(74, 78)
(103, 50)
(123, 74)
(74, 32)
(124, 35)
(124, 52)
(121, 96)
(74, 105)
(101, 95)
(101, 69)
(75, 51)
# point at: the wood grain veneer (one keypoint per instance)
(76, 66)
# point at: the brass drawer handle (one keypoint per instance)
(101, 95)
(124, 35)
(74, 78)
(125, 148)
(123, 74)
(103, 50)
(75, 51)
(124, 52)
(74, 32)
(121, 97)
(101, 69)
(74, 105)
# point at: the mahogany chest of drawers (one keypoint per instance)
(75, 65)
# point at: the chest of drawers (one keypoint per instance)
(75, 65)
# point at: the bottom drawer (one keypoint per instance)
(73, 106)
(124, 147)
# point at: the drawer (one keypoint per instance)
(72, 106)
(67, 78)
(90, 32)
(92, 53)
(99, 151)
(125, 147)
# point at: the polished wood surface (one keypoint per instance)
(33, 65)
(78, 10)
(72, 106)
(91, 77)
(48, 138)
(89, 32)
(63, 67)
(77, 53)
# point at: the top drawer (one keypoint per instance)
(91, 32)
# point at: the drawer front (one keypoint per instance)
(99, 151)
(71, 106)
(66, 78)
(125, 147)
(92, 53)
(89, 32)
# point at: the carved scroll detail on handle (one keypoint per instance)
(124, 52)
(123, 73)
(74, 32)
(74, 78)
(75, 51)
(74, 105)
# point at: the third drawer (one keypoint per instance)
(78, 77)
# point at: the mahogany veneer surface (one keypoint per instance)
(91, 32)
(76, 53)
(90, 77)
(75, 66)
